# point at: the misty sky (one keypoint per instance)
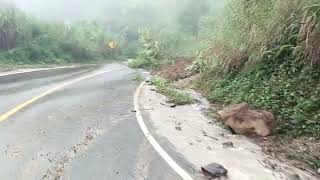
(131, 13)
(77, 9)
(60, 9)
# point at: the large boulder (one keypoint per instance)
(242, 119)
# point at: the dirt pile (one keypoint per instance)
(175, 71)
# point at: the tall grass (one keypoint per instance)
(267, 53)
(248, 29)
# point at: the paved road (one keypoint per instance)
(85, 130)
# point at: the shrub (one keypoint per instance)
(153, 52)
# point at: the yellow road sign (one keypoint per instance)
(112, 45)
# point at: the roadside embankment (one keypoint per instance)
(201, 141)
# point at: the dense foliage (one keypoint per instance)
(266, 53)
(28, 40)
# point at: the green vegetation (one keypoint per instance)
(147, 36)
(241, 63)
(28, 40)
(160, 44)
(152, 53)
(137, 77)
(281, 73)
(175, 96)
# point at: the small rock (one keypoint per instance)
(89, 137)
(228, 145)
(198, 140)
(273, 165)
(214, 138)
(318, 170)
(204, 133)
(153, 89)
(209, 148)
(172, 105)
(148, 82)
(295, 177)
(214, 170)
(191, 144)
(178, 128)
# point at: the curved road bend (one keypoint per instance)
(84, 131)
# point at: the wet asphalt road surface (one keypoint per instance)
(85, 131)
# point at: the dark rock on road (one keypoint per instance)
(214, 170)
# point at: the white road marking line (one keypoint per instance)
(16, 109)
(182, 173)
(2, 74)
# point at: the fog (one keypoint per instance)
(121, 15)
(107, 10)
(91, 9)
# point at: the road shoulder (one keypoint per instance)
(201, 141)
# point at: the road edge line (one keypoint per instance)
(42, 69)
(174, 165)
(59, 86)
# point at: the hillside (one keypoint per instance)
(265, 53)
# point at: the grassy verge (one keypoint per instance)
(175, 96)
